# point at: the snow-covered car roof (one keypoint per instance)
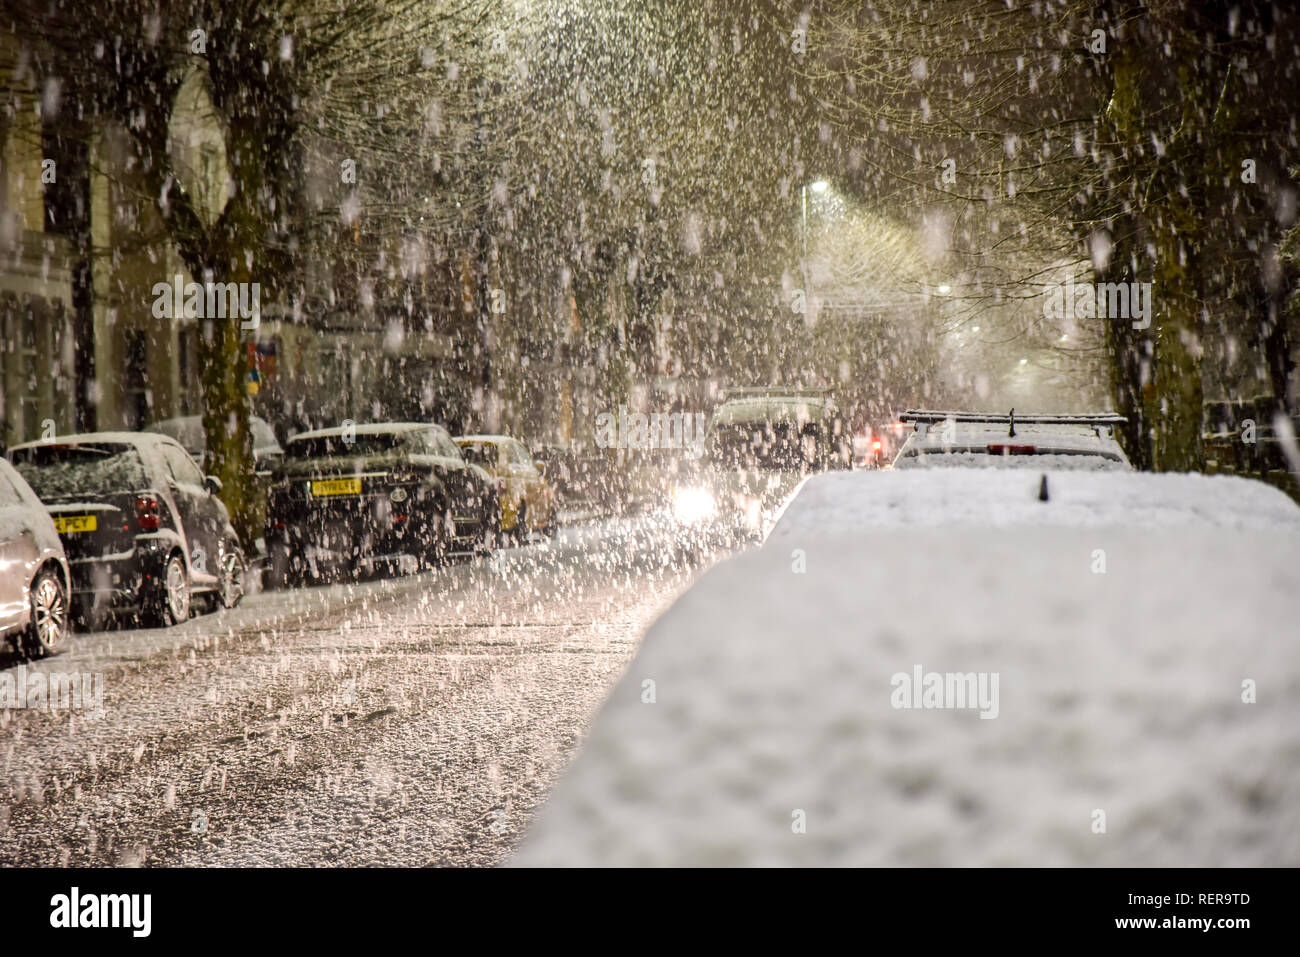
(762, 720)
(750, 409)
(121, 438)
(1067, 442)
(865, 502)
(369, 428)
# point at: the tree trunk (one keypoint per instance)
(1178, 392)
(225, 422)
(230, 257)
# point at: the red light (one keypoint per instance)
(1012, 450)
(876, 445)
(146, 513)
(399, 518)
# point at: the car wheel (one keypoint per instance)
(169, 601)
(438, 536)
(284, 569)
(50, 620)
(232, 576)
(90, 615)
(521, 524)
(489, 538)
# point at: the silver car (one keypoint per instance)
(33, 571)
(188, 431)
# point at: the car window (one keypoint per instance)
(519, 455)
(329, 446)
(422, 442)
(181, 465)
(263, 434)
(482, 454)
(91, 468)
(443, 445)
(770, 446)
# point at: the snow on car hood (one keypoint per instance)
(1120, 691)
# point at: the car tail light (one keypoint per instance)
(146, 513)
(875, 446)
(1003, 449)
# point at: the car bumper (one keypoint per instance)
(340, 536)
(114, 582)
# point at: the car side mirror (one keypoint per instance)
(212, 484)
(541, 468)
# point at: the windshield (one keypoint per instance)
(773, 446)
(438, 442)
(59, 471)
(335, 446)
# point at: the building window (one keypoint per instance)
(139, 397)
(187, 359)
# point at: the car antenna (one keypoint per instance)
(1011, 433)
(1042, 489)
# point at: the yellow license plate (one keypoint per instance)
(72, 524)
(350, 486)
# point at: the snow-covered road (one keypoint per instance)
(412, 720)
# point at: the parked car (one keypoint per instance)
(346, 496)
(142, 526)
(34, 575)
(1007, 440)
(188, 431)
(526, 499)
(1101, 612)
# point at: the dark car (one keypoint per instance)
(142, 526)
(371, 493)
(34, 572)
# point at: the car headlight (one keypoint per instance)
(692, 505)
(398, 494)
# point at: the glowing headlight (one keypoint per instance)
(693, 504)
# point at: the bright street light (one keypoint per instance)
(818, 186)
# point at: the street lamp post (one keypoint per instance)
(803, 235)
(818, 186)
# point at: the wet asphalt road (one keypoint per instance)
(411, 720)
